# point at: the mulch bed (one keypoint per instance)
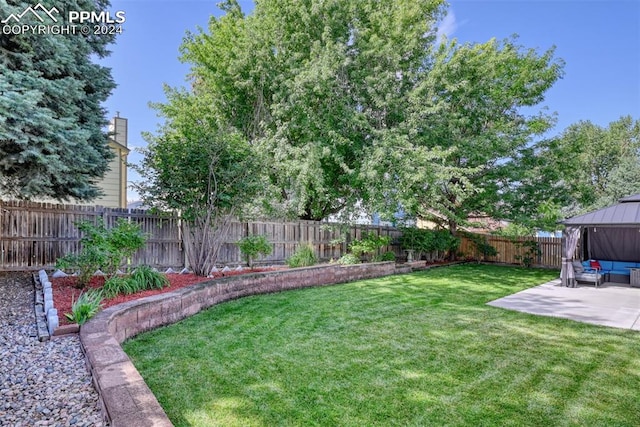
(65, 291)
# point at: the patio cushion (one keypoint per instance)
(619, 265)
(589, 266)
(577, 266)
(606, 265)
(623, 267)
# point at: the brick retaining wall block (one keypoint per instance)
(125, 398)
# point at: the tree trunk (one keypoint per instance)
(453, 230)
(203, 239)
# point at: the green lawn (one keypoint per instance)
(414, 350)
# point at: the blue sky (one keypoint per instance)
(598, 40)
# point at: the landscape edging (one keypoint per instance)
(125, 398)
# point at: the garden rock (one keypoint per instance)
(42, 383)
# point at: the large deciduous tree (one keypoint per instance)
(590, 166)
(313, 84)
(468, 130)
(52, 142)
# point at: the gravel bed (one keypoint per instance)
(41, 383)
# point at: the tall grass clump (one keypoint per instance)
(147, 278)
(143, 278)
(304, 256)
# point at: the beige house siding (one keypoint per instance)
(114, 182)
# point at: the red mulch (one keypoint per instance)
(65, 292)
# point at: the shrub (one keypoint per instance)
(85, 307)
(482, 247)
(369, 244)
(528, 252)
(387, 256)
(445, 243)
(348, 259)
(253, 246)
(304, 256)
(123, 241)
(102, 248)
(419, 240)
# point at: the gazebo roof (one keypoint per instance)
(625, 213)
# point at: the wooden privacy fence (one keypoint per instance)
(509, 250)
(35, 235)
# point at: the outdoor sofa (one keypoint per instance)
(612, 271)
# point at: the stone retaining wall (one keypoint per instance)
(126, 399)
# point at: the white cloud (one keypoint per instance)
(447, 27)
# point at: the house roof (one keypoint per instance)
(625, 213)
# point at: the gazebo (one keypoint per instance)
(611, 233)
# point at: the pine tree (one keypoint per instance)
(52, 142)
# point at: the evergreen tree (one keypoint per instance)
(52, 142)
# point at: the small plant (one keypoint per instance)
(529, 252)
(146, 278)
(85, 307)
(304, 256)
(348, 259)
(253, 246)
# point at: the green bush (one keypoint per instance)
(123, 241)
(482, 247)
(387, 256)
(528, 252)
(445, 243)
(368, 244)
(253, 246)
(304, 256)
(418, 240)
(348, 259)
(102, 248)
(433, 243)
(85, 307)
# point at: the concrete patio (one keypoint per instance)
(611, 304)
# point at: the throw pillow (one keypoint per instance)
(595, 264)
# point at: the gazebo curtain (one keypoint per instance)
(571, 237)
(614, 243)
